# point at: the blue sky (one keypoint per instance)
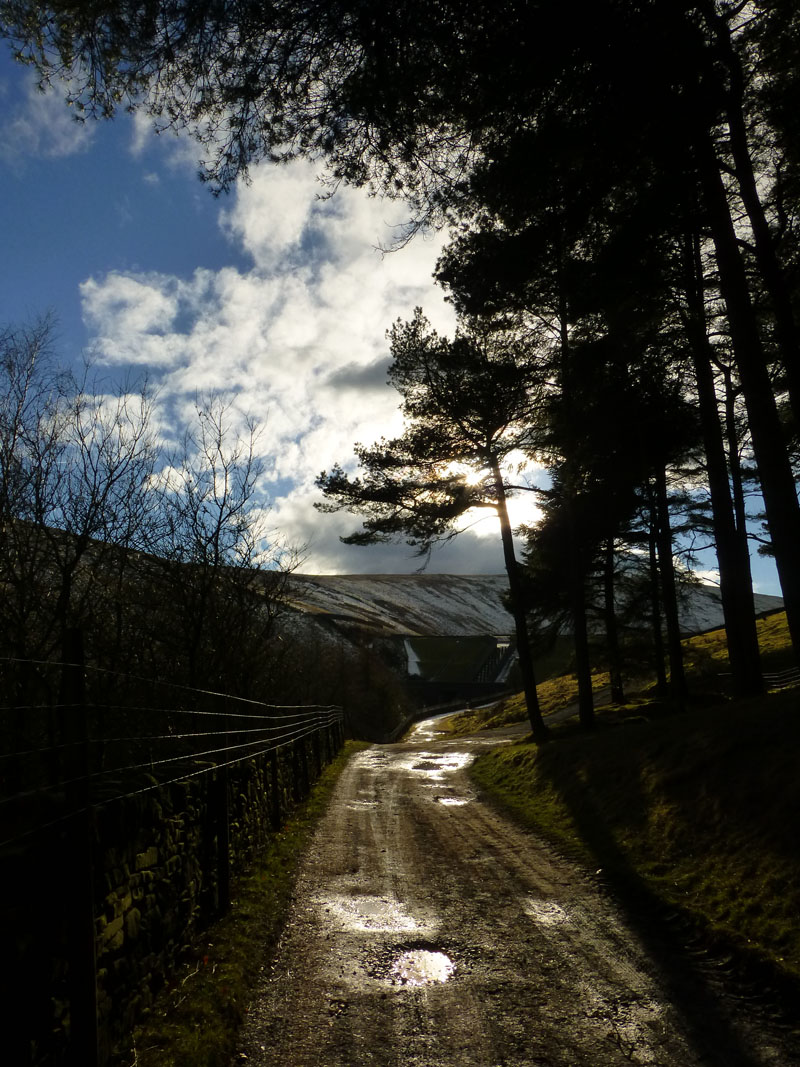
(270, 295)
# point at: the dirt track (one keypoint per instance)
(428, 931)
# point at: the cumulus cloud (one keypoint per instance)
(323, 553)
(38, 124)
(708, 576)
(299, 339)
(361, 377)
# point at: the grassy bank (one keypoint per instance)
(697, 810)
(195, 1019)
(554, 694)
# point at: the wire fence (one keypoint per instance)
(81, 751)
(55, 758)
(782, 679)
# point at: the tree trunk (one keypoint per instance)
(772, 274)
(769, 447)
(612, 631)
(538, 728)
(577, 575)
(583, 667)
(733, 557)
(669, 596)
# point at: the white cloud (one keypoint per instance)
(178, 150)
(271, 215)
(299, 339)
(708, 576)
(38, 124)
(319, 535)
(130, 317)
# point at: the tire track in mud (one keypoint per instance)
(429, 931)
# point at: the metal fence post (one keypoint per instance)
(315, 744)
(83, 1048)
(331, 741)
(296, 771)
(223, 822)
(275, 807)
(306, 779)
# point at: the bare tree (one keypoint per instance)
(165, 561)
(75, 465)
(221, 574)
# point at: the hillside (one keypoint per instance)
(452, 605)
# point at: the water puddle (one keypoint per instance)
(453, 802)
(369, 914)
(428, 729)
(545, 912)
(434, 767)
(372, 758)
(422, 967)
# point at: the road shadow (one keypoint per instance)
(704, 984)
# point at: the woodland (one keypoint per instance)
(620, 183)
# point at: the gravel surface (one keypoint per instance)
(429, 931)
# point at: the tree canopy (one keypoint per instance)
(620, 179)
(470, 407)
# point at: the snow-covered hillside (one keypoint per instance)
(702, 609)
(451, 605)
(426, 604)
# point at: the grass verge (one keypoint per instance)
(553, 694)
(196, 1018)
(697, 810)
(705, 662)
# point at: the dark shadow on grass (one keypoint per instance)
(670, 939)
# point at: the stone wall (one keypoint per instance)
(157, 881)
(160, 872)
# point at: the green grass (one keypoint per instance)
(706, 664)
(553, 694)
(700, 809)
(195, 1020)
(697, 811)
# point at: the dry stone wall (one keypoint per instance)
(162, 859)
(158, 875)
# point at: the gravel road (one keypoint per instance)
(429, 931)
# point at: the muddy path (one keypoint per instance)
(428, 931)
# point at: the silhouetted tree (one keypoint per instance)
(220, 573)
(470, 407)
(470, 111)
(75, 468)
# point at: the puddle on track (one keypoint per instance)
(545, 912)
(372, 758)
(369, 914)
(422, 967)
(435, 766)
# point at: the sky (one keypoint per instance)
(273, 296)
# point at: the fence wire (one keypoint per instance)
(59, 758)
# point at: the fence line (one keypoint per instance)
(64, 762)
(782, 679)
